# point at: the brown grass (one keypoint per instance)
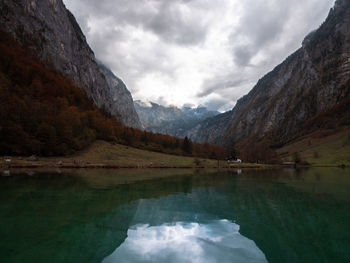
(322, 148)
(102, 154)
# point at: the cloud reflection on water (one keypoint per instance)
(218, 241)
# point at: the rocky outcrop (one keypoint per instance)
(152, 114)
(210, 130)
(52, 33)
(313, 79)
(171, 120)
(122, 99)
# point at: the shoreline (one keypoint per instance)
(91, 165)
(117, 166)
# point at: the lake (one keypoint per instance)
(175, 216)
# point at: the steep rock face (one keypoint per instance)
(313, 79)
(200, 112)
(210, 130)
(122, 99)
(171, 120)
(51, 31)
(152, 114)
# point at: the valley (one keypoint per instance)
(171, 120)
(106, 155)
(306, 96)
(174, 131)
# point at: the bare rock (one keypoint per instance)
(313, 79)
(53, 34)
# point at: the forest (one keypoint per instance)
(42, 112)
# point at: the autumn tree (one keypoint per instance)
(43, 112)
(187, 145)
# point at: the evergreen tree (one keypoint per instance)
(187, 145)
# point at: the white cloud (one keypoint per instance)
(217, 241)
(195, 51)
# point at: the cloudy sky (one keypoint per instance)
(208, 52)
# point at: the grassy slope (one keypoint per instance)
(321, 148)
(101, 151)
(103, 154)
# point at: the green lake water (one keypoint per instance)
(175, 216)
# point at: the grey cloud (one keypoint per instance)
(161, 101)
(138, 65)
(166, 19)
(188, 105)
(217, 104)
(171, 24)
(219, 83)
(259, 25)
(272, 29)
(262, 24)
(243, 55)
(104, 38)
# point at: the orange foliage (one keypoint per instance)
(257, 151)
(42, 112)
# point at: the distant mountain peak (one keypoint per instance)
(170, 120)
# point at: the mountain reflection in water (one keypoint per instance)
(289, 216)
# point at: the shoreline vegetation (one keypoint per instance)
(44, 113)
(102, 154)
(73, 164)
(105, 155)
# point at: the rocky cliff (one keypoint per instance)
(171, 120)
(312, 80)
(51, 31)
(152, 114)
(121, 96)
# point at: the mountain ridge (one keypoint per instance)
(313, 79)
(120, 94)
(170, 120)
(52, 32)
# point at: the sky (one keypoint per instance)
(195, 52)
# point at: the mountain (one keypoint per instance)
(310, 90)
(152, 114)
(200, 112)
(43, 112)
(49, 30)
(170, 120)
(121, 97)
